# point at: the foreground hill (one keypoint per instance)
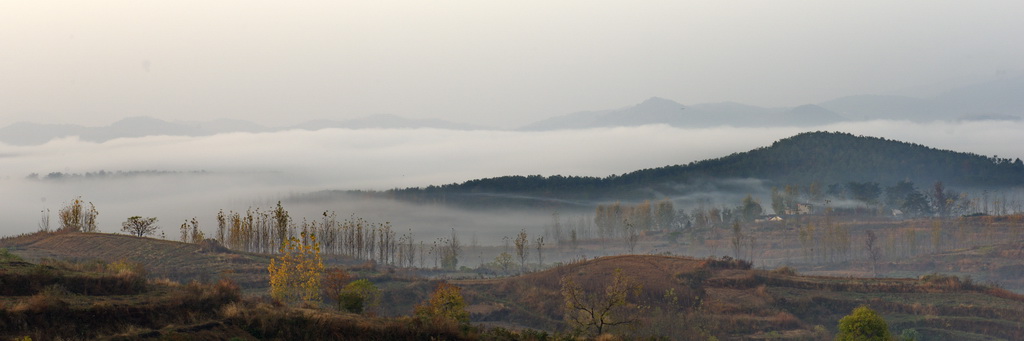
(687, 298)
(58, 300)
(679, 297)
(815, 157)
(178, 261)
(204, 263)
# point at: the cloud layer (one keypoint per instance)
(256, 169)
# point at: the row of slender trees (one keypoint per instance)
(821, 241)
(261, 231)
(615, 219)
(264, 231)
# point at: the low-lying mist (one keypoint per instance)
(249, 170)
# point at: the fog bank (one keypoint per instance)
(256, 169)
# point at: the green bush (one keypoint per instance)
(352, 302)
(863, 324)
(7, 256)
(359, 296)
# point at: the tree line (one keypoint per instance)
(264, 231)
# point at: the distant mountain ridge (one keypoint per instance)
(24, 133)
(663, 111)
(994, 99)
(385, 121)
(815, 157)
(999, 99)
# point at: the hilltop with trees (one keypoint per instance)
(815, 158)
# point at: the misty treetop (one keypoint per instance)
(804, 159)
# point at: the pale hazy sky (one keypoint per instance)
(497, 63)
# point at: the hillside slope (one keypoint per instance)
(57, 300)
(182, 262)
(686, 297)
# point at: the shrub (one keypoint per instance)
(7, 256)
(359, 296)
(445, 305)
(727, 263)
(49, 299)
(785, 270)
(351, 302)
(863, 324)
(909, 335)
(948, 282)
(334, 283)
(226, 290)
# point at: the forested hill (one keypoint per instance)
(816, 157)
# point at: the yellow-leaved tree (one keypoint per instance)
(295, 275)
(446, 305)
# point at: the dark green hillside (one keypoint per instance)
(839, 157)
(822, 157)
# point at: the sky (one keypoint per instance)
(498, 64)
(490, 63)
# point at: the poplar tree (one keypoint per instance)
(522, 250)
(295, 275)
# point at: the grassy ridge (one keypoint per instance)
(182, 262)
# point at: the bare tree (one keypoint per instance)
(540, 252)
(451, 250)
(601, 309)
(75, 217)
(423, 256)
(196, 235)
(737, 240)
(632, 237)
(139, 226)
(521, 249)
(664, 214)
(221, 227)
(44, 220)
(870, 244)
(940, 200)
(184, 232)
(89, 219)
(504, 260)
(751, 248)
